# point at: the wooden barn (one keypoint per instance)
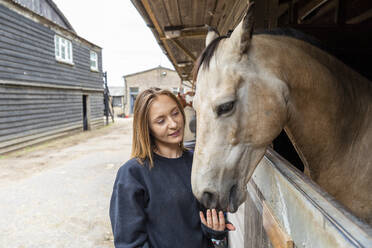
(50, 77)
(284, 208)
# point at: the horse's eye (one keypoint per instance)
(225, 108)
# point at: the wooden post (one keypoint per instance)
(277, 235)
(340, 12)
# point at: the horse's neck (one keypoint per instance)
(329, 110)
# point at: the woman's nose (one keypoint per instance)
(172, 123)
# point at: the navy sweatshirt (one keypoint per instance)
(155, 207)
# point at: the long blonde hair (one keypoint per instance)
(143, 143)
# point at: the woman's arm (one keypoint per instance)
(127, 211)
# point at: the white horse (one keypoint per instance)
(250, 87)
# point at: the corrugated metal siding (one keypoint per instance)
(27, 54)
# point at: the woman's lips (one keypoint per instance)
(175, 134)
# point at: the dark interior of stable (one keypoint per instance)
(344, 28)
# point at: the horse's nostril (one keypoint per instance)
(233, 192)
(209, 200)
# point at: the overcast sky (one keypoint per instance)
(128, 44)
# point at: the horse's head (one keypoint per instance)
(241, 108)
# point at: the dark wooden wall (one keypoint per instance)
(27, 54)
(41, 98)
(28, 114)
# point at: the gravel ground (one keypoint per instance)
(57, 194)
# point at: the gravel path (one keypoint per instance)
(57, 194)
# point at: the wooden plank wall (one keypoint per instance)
(30, 114)
(97, 108)
(255, 234)
(41, 98)
(27, 54)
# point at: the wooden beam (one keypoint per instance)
(241, 11)
(340, 12)
(189, 32)
(184, 49)
(358, 19)
(282, 9)
(261, 14)
(217, 14)
(230, 18)
(160, 31)
(277, 235)
(190, 85)
(310, 8)
(291, 9)
(273, 14)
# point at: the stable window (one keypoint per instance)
(133, 90)
(63, 49)
(93, 61)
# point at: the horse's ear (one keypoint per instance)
(212, 34)
(247, 28)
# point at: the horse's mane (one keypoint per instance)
(206, 56)
(209, 51)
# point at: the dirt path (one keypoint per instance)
(57, 194)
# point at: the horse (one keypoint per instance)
(249, 87)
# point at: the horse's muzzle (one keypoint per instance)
(209, 200)
(228, 203)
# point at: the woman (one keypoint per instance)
(152, 204)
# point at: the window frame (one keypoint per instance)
(133, 90)
(63, 48)
(90, 59)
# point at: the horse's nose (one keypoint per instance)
(209, 200)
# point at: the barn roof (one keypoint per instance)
(49, 15)
(117, 90)
(47, 9)
(180, 26)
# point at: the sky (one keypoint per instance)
(128, 45)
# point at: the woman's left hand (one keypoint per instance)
(214, 221)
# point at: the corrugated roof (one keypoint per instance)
(117, 90)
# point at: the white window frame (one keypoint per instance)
(63, 50)
(93, 68)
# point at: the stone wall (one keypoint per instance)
(157, 77)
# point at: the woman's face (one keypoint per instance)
(166, 121)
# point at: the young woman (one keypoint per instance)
(152, 204)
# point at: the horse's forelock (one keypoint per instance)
(206, 56)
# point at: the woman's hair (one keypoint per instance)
(143, 142)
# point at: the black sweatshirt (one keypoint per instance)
(155, 207)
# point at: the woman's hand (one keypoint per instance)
(214, 221)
